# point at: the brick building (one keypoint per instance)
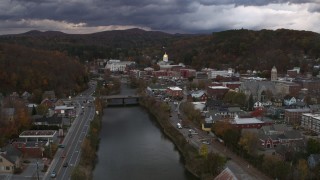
(217, 92)
(293, 116)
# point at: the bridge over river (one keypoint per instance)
(121, 100)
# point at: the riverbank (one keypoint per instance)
(90, 145)
(195, 163)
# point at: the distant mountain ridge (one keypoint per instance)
(240, 49)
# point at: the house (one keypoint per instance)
(313, 160)
(48, 121)
(10, 159)
(289, 100)
(47, 102)
(25, 95)
(49, 95)
(213, 104)
(198, 96)
(229, 112)
(258, 104)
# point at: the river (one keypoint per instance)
(133, 147)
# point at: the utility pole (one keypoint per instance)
(38, 170)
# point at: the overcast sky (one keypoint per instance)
(173, 16)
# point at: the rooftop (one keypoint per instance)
(38, 133)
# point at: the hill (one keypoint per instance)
(240, 49)
(253, 50)
(27, 69)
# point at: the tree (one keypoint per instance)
(275, 168)
(239, 99)
(303, 169)
(42, 109)
(34, 111)
(213, 164)
(250, 103)
(203, 150)
(249, 142)
(231, 137)
(221, 127)
(78, 174)
(313, 146)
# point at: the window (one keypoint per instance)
(7, 168)
(0, 159)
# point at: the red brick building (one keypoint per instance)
(186, 73)
(174, 92)
(217, 92)
(160, 73)
(293, 116)
(249, 123)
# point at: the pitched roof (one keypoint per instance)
(226, 174)
(197, 94)
(10, 153)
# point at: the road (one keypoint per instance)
(73, 140)
(236, 164)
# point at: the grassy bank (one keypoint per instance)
(202, 165)
(83, 171)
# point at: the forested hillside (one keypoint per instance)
(245, 49)
(27, 69)
(240, 49)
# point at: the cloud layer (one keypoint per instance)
(173, 16)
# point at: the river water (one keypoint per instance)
(133, 147)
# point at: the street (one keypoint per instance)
(236, 164)
(73, 140)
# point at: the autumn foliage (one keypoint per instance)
(35, 71)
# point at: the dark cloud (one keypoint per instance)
(165, 15)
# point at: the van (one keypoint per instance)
(179, 126)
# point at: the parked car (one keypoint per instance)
(206, 142)
(61, 146)
(53, 174)
(179, 126)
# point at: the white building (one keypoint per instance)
(117, 65)
(311, 122)
(224, 73)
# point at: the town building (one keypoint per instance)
(212, 73)
(10, 159)
(174, 92)
(117, 65)
(32, 142)
(249, 123)
(186, 73)
(217, 92)
(311, 121)
(293, 116)
(65, 111)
